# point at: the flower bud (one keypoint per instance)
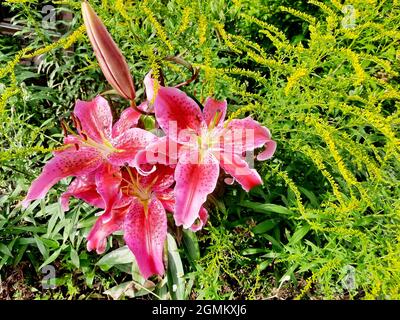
(110, 58)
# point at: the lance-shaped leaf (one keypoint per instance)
(110, 58)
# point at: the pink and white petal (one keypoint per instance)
(65, 164)
(214, 112)
(128, 144)
(97, 238)
(200, 221)
(84, 188)
(167, 199)
(194, 182)
(145, 231)
(128, 119)
(269, 150)
(145, 107)
(162, 151)
(244, 135)
(149, 86)
(176, 112)
(238, 168)
(95, 117)
(108, 182)
(161, 179)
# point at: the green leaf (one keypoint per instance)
(136, 275)
(311, 196)
(123, 289)
(265, 226)
(75, 257)
(266, 207)
(5, 250)
(175, 273)
(21, 251)
(263, 265)
(50, 259)
(119, 256)
(276, 244)
(42, 248)
(191, 245)
(299, 234)
(250, 251)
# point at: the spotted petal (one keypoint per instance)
(128, 119)
(238, 168)
(97, 237)
(244, 135)
(84, 188)
(145, 230)
(108, 181)
(162, 151)
(64, 164)
(95, 117)
(194, 181)
(128, 144)
(177, 114)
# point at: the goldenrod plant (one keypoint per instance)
(323, 76)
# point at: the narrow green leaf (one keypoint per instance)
(265, 226)
(50, 259)
(250, 251)
(75, 257)
(4, 249)
(42, 248)
(191, 245)
(266, 207)
(299, 234)
(175, 273)
(119, 256)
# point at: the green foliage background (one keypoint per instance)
(324, 225)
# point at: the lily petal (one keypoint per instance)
(110, 58)
(64, 164)
(145, 229)
(194, 182)
(163, 151)
(96, 239)
(244, 135)
(214, 112)
(177, 114)
(95, 117)
(108, 181)
(167, 199)
(201, 221)
(128, 119)
(128, 144)
(149, 86)
(269, 150)
(161, 179)
(238, 168)
(84, 188)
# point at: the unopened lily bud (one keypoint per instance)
(110, 58)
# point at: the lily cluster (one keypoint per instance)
(135, 176)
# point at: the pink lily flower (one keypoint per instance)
(203, 143)
(98, 150)
(141, 214)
